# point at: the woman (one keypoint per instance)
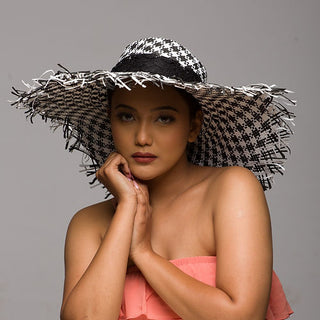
(179, 239)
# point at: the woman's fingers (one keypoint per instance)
(115, 175)
(111, 167)
(126, 170)
(141, 230)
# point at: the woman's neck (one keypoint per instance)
(169, 185)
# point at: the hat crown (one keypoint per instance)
(166, 48)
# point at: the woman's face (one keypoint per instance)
(151, 127)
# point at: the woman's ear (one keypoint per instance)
(195, 126)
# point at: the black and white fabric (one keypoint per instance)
(247, 126)
(169, 49)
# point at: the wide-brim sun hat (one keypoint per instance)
(248, 126)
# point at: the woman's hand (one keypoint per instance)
(140, 242)
(115, 175)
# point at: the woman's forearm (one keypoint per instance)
(98, 293)
(188, 297)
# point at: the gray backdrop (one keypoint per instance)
(240, 42)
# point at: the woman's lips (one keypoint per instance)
(144, 157)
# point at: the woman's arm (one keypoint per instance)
(244, 258)
(95, 268)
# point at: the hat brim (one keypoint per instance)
(247, 126)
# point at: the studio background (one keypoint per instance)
(239, 42)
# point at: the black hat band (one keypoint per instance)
(156, 65)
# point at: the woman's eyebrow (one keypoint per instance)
(165, 108)
(153, 109)
(124, 106)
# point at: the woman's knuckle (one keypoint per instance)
(143, 203)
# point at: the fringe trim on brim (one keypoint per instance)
(276, 148)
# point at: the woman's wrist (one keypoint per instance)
(142, 254)
(128, 206)
(127, 202)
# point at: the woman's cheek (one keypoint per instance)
(177, 138)
(120, 137)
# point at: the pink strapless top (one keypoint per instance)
(140, 301)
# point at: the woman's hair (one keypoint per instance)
(193, 104)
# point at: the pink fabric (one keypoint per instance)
(140, 301)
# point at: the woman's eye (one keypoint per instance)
(165, 119)
(126, 117)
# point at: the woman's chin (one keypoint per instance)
(144, 175)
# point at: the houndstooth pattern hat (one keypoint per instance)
(247, 126)
(169, 49)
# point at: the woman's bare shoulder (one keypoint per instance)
(232, 183)
(233, 176)
(94, 218)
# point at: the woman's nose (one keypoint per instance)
(143, 135)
